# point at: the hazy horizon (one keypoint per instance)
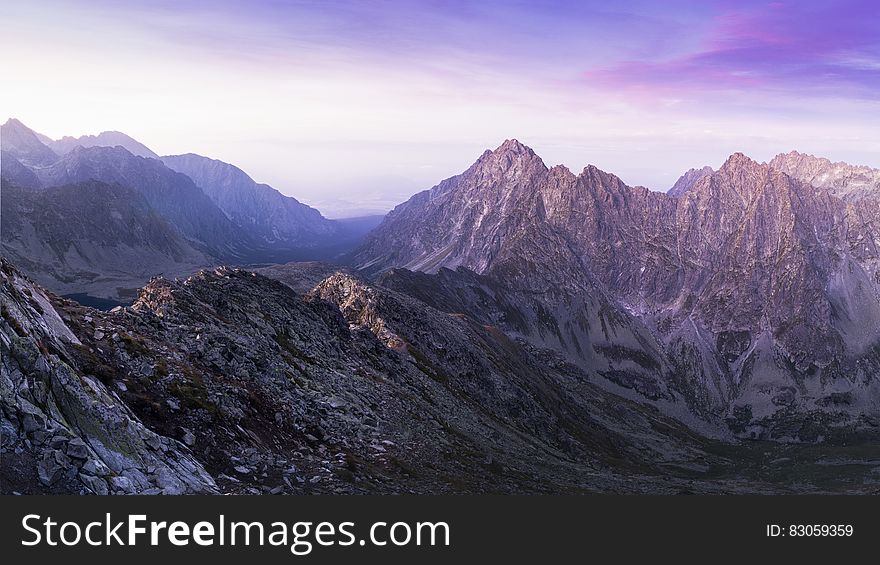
(347, 107)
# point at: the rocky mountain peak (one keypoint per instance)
(514, 146)
(14, 126)
(594, 175)
(14, 123)
(22, 143)
(842, 179)
(798, 157)
(103, 139)
(740, 162)
(510, 156)
(686, 181)
(740, 181)
(105, 152)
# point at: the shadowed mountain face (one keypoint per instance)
(262, 211)
(92, 238)
(104, 139)
(172, 195)
(749, 281)
(98, 222)
(22, 144)
(225, 217)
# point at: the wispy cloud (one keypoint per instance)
(318, 97)
(802, 48)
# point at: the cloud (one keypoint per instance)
(806, 48)
(318, 97)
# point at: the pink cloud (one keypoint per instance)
(807, 47)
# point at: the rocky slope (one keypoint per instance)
(63, 429)
(233, 382)
(766, 316)
(247, 386)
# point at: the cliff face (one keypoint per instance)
(761, 288)
(64, 430)
(858, 187)
(760, 246)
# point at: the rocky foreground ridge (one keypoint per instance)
(233, 382)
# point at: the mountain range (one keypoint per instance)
(264, 212)
(211, 211)
(750, 293)
(516, 328)
(104, 139)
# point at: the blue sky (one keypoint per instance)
(355, 105)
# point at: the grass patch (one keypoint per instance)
(191, 391)
(134, 346)
(191, 396)
(402, 466)
(91, 364)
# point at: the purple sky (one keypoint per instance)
(803, 48)
(352, 106)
